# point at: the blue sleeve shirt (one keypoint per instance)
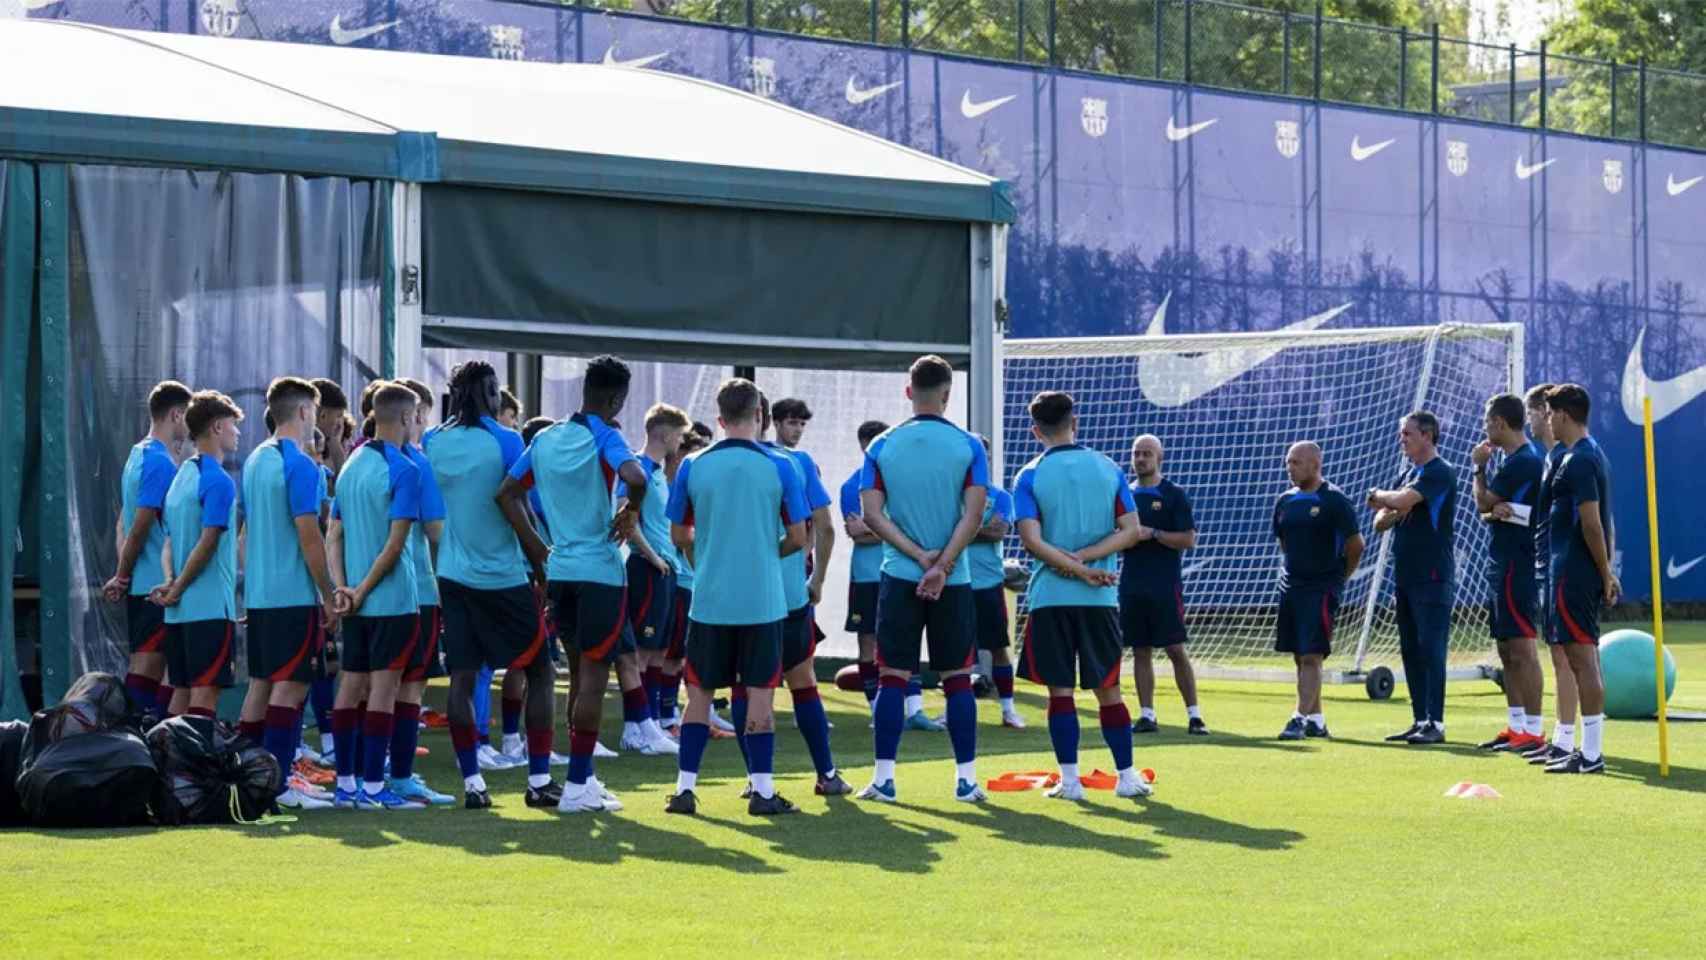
(432, 510)
(1313, 529)
(1152, 567)
(924, 466)
(866, 565)
(573, 465)
(983, 555)
(280, 484)
(796, 566)
(1077, 495)
(379, 484)
(203, 495)
(1515, 478)
(738, 497)
(148, 475)
(1542, 517)
(478, 548)
(654, 511)
(1582, 477)
(1422, 551)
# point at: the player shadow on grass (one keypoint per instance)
(1017, 825)
(848, 832)
(606, 839)
(1183, 824)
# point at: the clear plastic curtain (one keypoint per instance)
(223, 281)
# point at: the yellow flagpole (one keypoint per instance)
(1658, 579)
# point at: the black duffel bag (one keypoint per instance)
(100, 779)
(12, 734)
(209, 773)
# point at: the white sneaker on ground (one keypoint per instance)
(292, 800)
(1066, 790)
(602, 752)
(1132, 785)
(490, 759)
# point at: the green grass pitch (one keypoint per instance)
(1250, 847)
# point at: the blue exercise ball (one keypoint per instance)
(1626, 663)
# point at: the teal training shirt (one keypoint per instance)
(923, 466)
(148, 474)
(738, 497)
(573, 465)
(1077, 495)
(280, 484)
(203, 495)
(478, 548)
(379, 484)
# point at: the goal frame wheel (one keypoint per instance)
(1380, 684)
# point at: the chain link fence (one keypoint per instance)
(1281, 47)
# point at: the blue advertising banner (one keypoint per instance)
(1242, 212)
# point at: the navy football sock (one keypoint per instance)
(405, 734)
(280, 737)
(962, 717)
(375, 745)
(1063, 730)
(890, 717)
(737, 716)
(1116, 731)
(809, 716)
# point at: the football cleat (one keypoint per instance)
(832, 786)
(477, 800)
(1132, 785)
(1313, 729)
(349, 799)
(685, 802)
(659, 744)
(1428, 735)
(1011, 719)
(1551, 753)
(316, 775)
(491, 759)
(922, 722)
(1521, 743)
(610, 802)
(387, 799)
(416, 789)
(1197, 727)
(1576, 763)
(1066, 790)
(881, 792)
(585, 797)
(718, 723)
(559, 759)
(296, 800)
(967, 791)
(1145, 725)
(773, 805)
(602, 752)
(547, 796)
(1501, 741)
(1293, 729)
(307, 789)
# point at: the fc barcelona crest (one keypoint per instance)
(1613, 176)
(1286, 139)
(1457, 157)
(651, 632)
(1094, 116)
(857, 618)
(1315, 511)
(761, 76)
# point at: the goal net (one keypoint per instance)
(1226, 407)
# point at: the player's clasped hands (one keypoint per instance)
(347, 601)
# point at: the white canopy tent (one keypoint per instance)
(515, 206)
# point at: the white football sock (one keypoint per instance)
(685, 780)
(1593, 731)
(327, 744)
(764, 784)
(537, 780)
(346, 784)
(512, 742)
(373, 787)
(966, 771)
(474, 784)
(1007, 705)
(1193, 712)
(1564, 736)
(1320, 719)
(1532, 724)
(1068, 771)
(1147, 713)
(884, 772)
(914, 704)
(1517, 718)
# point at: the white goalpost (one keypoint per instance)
(1226, 407)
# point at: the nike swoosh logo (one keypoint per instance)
(857, 96)
(344, 38)
(972, 110)
(638, 62)
(1175, 379)
(1673, 188)
(1360, 152)
(1197, 567)
(1673, 571)
(1524, 171)
(1669, 396)
(1177, 133)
